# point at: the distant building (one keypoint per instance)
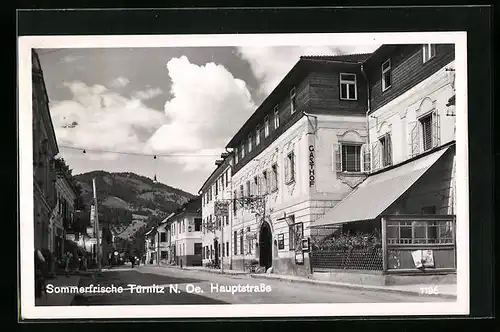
(44, 150)
(186, 234)
(62, 215)
(217, 244)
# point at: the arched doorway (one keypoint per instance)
(265, 246)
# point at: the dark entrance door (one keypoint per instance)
(216, 249)
(265, 246)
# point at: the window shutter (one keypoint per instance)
(338, 157)
(287, 169)
(436, 137)
(365, 155)
(414, 139)
(388, 141)
(375, 147)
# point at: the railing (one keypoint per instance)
(419, 243)
(366, 259)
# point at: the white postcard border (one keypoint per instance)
(28, 309)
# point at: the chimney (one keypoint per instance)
(219, 162)
(224, 155)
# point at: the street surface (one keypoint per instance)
(199, 287)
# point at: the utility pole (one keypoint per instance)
(222, 245)
(97, 228)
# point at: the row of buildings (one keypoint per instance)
(360, 143)
(55, 197)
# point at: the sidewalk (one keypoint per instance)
(59, 299)
(203, 269)
(448, 291)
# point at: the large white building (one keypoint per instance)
(410, 192)
(286, 160)
(186, 234)
(217, 229)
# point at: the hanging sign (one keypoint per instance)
(221, 208)
(312, 175)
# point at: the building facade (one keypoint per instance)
(44, 150)
(303, 150)
(216, 237)
(409, 194)
(62, 215)
(186, 234)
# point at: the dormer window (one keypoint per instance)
(276, 117)
(257, 135)
(386, 75)
(249, 143)
(266, 126)
(293, 100)
(242, 151)
(236, 154)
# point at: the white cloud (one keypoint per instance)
(271, 64)
(147, 94)
(97, 118)
(208, 107)
(119, 82)
(70, 58)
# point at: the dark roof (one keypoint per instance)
(299, 71)
(217, 170)
(356, 58)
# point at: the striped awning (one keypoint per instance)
(378, 192)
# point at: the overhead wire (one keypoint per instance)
(85, 150)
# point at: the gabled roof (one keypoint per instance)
(295, 76)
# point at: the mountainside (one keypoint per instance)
(129, 203)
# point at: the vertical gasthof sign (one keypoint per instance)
(311, 158)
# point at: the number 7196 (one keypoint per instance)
(431, 290)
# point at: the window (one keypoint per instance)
(249, 193)
(216, 188)
(265, 184)
(293, 101)
(250, 143)
(386, 150)
(235, 243)
(266, 126)
(281, 241)
(227, 177)
(386, 75)
(227, 249)
(236, 154)
(242, 151)
(274, 178)
(242, 193)
(197, 224)
(257, 135)
(276, 117)
(211, 252)
(242, 244)
(426, 123)
(235, 195)
(290, 167)
(163, 237)
(348, 89)
(256, 186)
(429, 51)
(198, 248)
(350, 158)
(163, 254)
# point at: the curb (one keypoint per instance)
(350, 286)
(213, 271)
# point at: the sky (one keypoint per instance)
(123, 106)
